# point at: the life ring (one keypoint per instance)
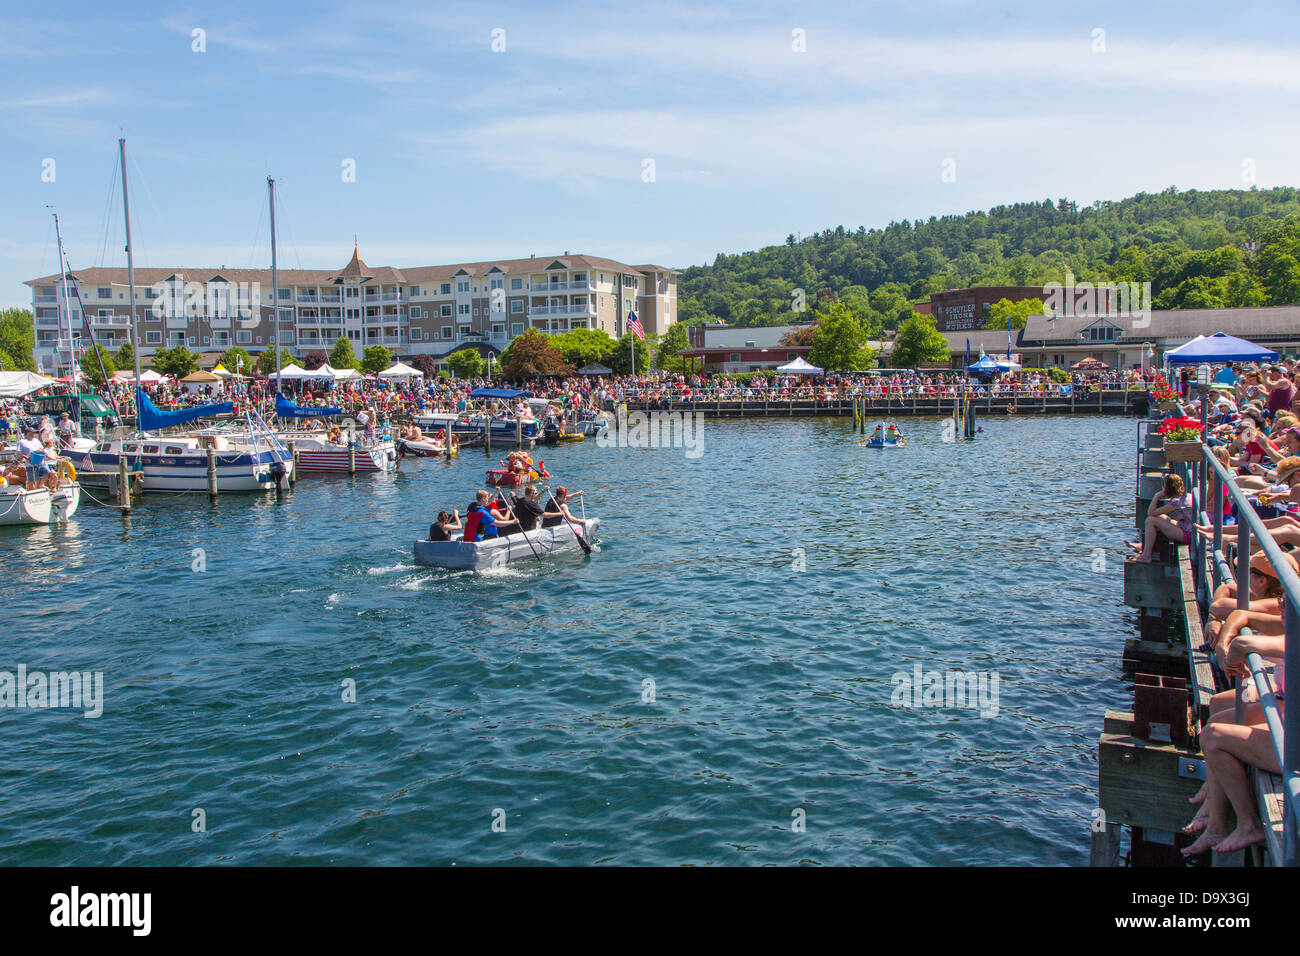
(66, 470)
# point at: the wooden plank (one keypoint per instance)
(1138, 782)
(1200, 672)
(1271, 799)
(1105, 845)
(1154, 585)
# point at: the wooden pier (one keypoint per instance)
(1149, 760)
(1105, 402)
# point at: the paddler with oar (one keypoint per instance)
(558, 505)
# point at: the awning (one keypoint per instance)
(799, 367)
(18, 384)
(1219, 347)
(498, 393)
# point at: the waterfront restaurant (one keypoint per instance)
(721, 348)
(1127, 341)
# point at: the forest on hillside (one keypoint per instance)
(1198, 249)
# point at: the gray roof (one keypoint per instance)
(1171, 325)
(763, 337)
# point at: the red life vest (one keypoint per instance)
(472, 521)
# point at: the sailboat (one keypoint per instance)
(256, 461)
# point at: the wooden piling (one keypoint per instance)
(124, 484)
(212, 475)
(293, 453)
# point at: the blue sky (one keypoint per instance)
(464, 153)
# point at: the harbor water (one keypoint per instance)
(717, 685)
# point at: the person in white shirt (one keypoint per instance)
(31, 448)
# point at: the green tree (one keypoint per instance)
(672, 342)
(90, 366)
(236, 359)
(1017, 312)
(376, 358)
(621, 360)
(342, 354)
(839, 342)
(583, 346)
(7, 362)
(467, 363)
(17, 339)
(125, 355)
(918, 341)
(176, 362)
(266, 361)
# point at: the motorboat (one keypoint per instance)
(316, 453)
(20, 504)
(500, 551)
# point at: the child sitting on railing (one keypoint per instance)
(1171, 515)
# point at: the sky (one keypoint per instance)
(646, 132)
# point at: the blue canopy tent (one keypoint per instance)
(991, 366)
(287, 409)
(498, 393)
(1219, 348)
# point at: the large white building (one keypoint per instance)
(434, 310)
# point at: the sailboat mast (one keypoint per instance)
(67, 306)
(275, 283)
(130, 267)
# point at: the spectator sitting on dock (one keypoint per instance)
(1228, 746)
(1170, 514)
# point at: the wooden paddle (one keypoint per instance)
(582, 543)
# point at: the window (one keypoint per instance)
(415, 290)
(155, 338)
(446, 288)
(284, 293)
(352, 292)
(517, 328)
(243, 338)
(416, 335)
(445, 311)
(516, 283)
(207, 340)
(1102, 333)
(417, 313)
(498, 329)
(735, 357)
(496, 284)
(476, 311)
(602, 302)
(462, 309)
(446, 332)
(517, 307)
(462, 285)
(105, 292)
(178, 338)
(259, 340)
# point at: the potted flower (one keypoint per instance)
(1167, 398)
(1182, 438)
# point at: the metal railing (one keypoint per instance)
(1285, 732)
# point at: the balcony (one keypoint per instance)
(122, 320)
(388, 340)
(47, 322)
(45, 299)
(543, 288)
(383, 297)
(583, 310)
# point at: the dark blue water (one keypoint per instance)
(520, 695)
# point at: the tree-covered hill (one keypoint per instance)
(1199, 249)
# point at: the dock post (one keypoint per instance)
(124, 485)
(293, 453)
(519, 432)
(352, 458)
(212, 474)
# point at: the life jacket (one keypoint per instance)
(472, 521)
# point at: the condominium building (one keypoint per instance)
(434, 310)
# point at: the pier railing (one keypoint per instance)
(1105, 402)
(1285, 732)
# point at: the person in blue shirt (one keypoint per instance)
(490, 522)
(1227, 375)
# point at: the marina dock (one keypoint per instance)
(1149, 758)
(1119, 402)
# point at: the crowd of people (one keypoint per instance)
(1252, 414)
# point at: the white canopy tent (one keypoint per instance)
(346, 374)
(401, 371)
(147, 377)
(18, 384)
(294, 373)
(799, 367)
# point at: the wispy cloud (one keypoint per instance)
(81, 97)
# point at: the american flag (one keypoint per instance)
(634, 324)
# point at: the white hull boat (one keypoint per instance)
(20, 505)
(181, 464)
(317, 454)
(498, 552)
